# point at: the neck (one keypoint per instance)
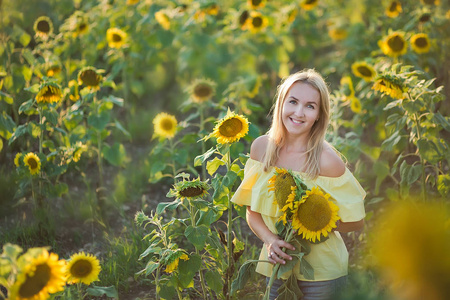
(296, 144)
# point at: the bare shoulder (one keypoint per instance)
(331, 164)
(258, 148)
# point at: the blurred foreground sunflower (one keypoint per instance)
(230, 129)
(116, 37)
(33, 163)
(309, 4)
(394, 9)
(256, 4)
(243, 19)
(337, 33)
(43, 27)
(83, 268)
(163, 19)
(355, 105)
(256, 22)
(347, 86)
(49, 92)
(394, 44)
(165, 125)
(430, 2)
(282, 183)
(201, 90)
(40, 277)
(363, 70)
(389, 85)
(18, 159)
(420, 43)
(90, 77)
(314, 216)
(190, 190)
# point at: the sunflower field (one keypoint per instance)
(125, 126)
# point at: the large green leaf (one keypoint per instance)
(244, 274)
(115, 155)
(213, 165)
(290, 289)
(99, 121)
(214, 280)
(197, 235)
(188, 268)
(167, 205)
(98, 291)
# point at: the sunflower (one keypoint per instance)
(389, 85)
(256, 4)
(420, 43)
(355, 105)
(243, 19)
(74, 94)
(33, 162)
(132, 2)
(347, 86)
(163, 19)
(282, 183)
(425, 17)
(190, 190)
(430, 2)
(314, 216)
(231, 128)
(212, 10)
(309, 4)
(172, 263)
(90, 77)
(363, 70)
(83, 268)
(18, 159)
(202, 90)
(39, 277)
(81, 28)
(394, 9)
(49, 92)
(165, 125)
(394, 44)
(337, 34)
(43, 27)
(116, 37)
(256, 22)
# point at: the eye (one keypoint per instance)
(311, 106)
(292, 101)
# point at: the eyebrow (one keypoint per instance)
(312, 102)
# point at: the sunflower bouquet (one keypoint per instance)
(308, 216)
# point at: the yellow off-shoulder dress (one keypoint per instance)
(330, 258)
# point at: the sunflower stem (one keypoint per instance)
(158, 270)
(41, 137)
(229, 225)
(422, 161)
(202, 127)
(174, 170)
(202, 280)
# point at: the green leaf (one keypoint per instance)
(390, 142)
(12, 251)
(115, 155)
(7, 126)
(244, 274)
(213, 165)
(197, 235)
(6, 97)
(188, 268)
(115, 100)
(26, 107)
(167, 205)
(99, 121)
(214, 280)
(229, 179)
(381, 169)
(100, 291)
(150, 267)
(290, 289)
(20, 35)
(51, 116)
(122, 129)
(428, 151)
(200, 159)
(441, 120)
(443, 185)
(306, 269)
(20, 130)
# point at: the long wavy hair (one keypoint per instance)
(277, 132)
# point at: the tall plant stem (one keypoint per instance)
(193, 212)
(202, 127)
(172, 151)
(229, 225)
(158, 270)
(422, 160)
(41, 138)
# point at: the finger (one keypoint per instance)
(287, 245)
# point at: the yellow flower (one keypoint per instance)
(17, 159)
(256, 22)
(81, 28)
(53, 70)
(355, 105)
(243, 17)
(394, 9)
(43, 27)
(347, 86)
(314, 216)
(231, 128)
(90, 77)
(116, 37)
(132, 2)
(202, 90)
(430, 2)
(394, 44)
(282, 183)
(165, 125)
(163, 19)
(411, 246)
(83, 268)
(40, 277)
(256, 4)
(49, 92)
(389, 85)
(420, 43)
(309, 4)
(79, 150)
(172, 265)
(190, 190)
(363, 70)
(33, 162)
(74, 94)
(337, 34)
(212, 10)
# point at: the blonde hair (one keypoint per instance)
(277, 131)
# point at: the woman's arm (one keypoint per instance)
(350, 226)
(273, 242)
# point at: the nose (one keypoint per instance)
(300, 111)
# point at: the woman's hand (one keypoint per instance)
(275, 250)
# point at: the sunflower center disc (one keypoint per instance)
(396, 43)
(421, 42)
(191, 191)
(116, 38)
(283, 184)
(166, 124)
(81, 268)
(34, 284)
(256, 2)
(33, 163)
(89, 78)
(202, 90)
(315, 214)
(364, 71)
(230, 127)
(257, 22)
(43, 26)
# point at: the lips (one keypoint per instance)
(298, 122)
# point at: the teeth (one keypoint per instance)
(297, 122)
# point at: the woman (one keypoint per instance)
(296, 141)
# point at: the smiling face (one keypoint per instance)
(301, 109)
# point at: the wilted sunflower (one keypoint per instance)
(337, 34)
(53, 69)
(116, 37)
(355, 105)
(389, 85)
(394, 9)
(43, 27)
(394, 44)
(90, 77)
(165, 125)
(49, 92)
(81, 28)
(33, 163)
(40, 277)
(256, 22)
(231, 128)
(363, 70)
(309, 4)
(163, 19)
(430, 2)
(202, 90)
(256, 4)
(420, 43)
(282, 183)
(347, 86)
(18, 159)
(172, 263)
(83, 268)
(314, 216)
(243, 19)
(74, 94)
(190, 190)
